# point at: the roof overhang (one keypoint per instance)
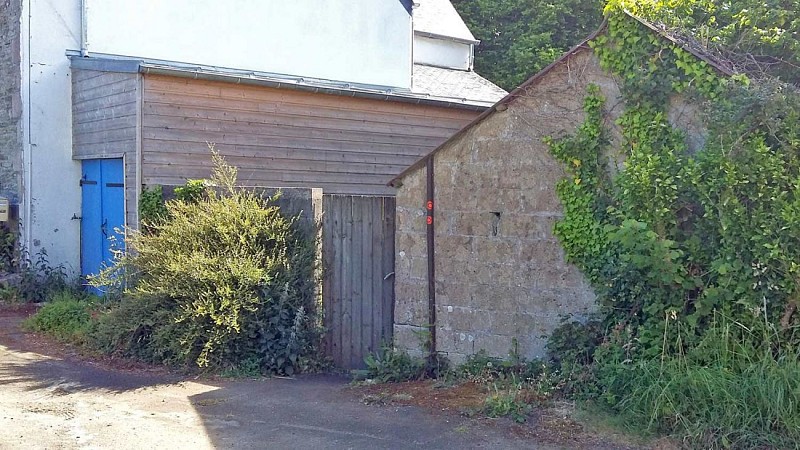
(123, 64)
(446, 38)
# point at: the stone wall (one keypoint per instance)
(10, 100)
(501, 275)
(411, 264)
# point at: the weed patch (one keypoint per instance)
(68, 318)
(392, 366)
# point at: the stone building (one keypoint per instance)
(500, 280)
(10, 100)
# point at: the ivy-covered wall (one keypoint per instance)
(699, 226)
(502, 276)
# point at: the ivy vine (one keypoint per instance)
(674, 239)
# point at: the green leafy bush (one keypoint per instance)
(507, 404)
(193, 191)
(67, 317)
(141, 327)
(152, 210)
(226, 279)
(9, 251)
(680, 233)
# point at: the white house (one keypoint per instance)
(87, 81)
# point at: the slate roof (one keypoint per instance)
(440, 18)
(455, 84)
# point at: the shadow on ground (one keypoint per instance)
(65, 377)
(320, 412)
(24, 363)
(67, 401)
(310, 412)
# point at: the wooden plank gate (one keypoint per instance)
(358, 276)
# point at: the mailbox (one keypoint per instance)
(3, 209)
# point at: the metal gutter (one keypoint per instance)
(133, 65)
(105, 65)
(84, 29)
(151, 70)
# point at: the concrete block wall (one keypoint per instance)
(501, 274)
(10, 100)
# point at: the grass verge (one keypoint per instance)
(68, 317)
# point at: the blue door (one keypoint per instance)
(103, 213)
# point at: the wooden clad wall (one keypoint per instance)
(105, 111)
(283, 137)
(358, 281)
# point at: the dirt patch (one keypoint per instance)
(552, 425)
(18, 309)
(460, 398)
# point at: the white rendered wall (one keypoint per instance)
(442, 53)
(361, 41)
(51, 194)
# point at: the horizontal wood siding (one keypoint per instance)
(285, 138)
(103, 114)
(104, 124)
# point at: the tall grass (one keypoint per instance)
(732, 391)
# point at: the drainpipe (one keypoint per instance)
(471, 57)
(26, 221)
(84, 31)
(429, 207)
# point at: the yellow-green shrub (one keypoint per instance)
(234, 278)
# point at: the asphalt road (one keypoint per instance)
(57, 403)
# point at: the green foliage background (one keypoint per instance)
(520, 37)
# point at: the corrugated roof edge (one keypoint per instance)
(113, 63)
(583, 45)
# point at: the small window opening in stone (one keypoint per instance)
(495, 223)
